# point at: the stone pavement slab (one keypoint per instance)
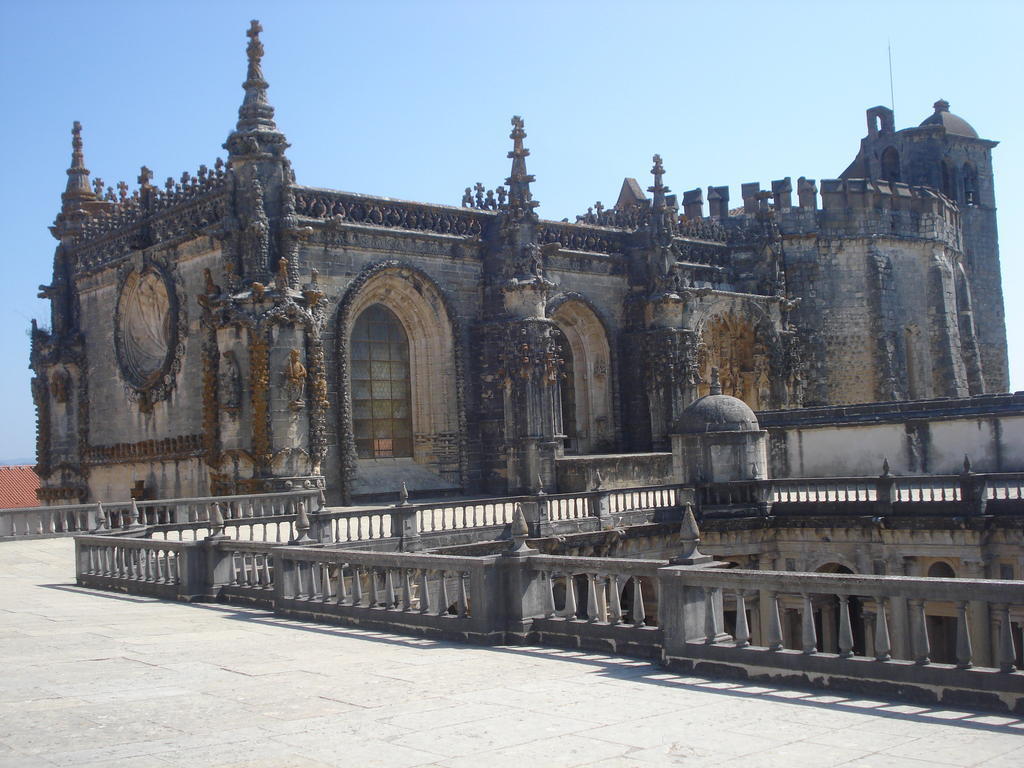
(95, 680)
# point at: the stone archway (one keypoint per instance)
(589, 377)
(731, 343)
(418, 305)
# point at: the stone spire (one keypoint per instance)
(658, 189)
(519, 196)
(256, 132)
(78, 189)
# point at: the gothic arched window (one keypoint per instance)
(381, 402)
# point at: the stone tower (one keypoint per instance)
(944, 152)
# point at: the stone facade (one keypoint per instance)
(235, 331)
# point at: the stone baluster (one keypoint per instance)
(845, 628)
(407, 589)
(389, 589)
(919, 631)
(712, 619)
(809, 635)
(773, 628)
(101, 517)
(742, 630)
(424, 591)
(343, 593)
(463, 596)
(442, 609)
(325, 580)
(374, 595)
(883, 645)
(614, 600)
(593, 610)
(1007, 653)
(357, 585)
(570, 597)
(549, 595)
(265, 564)
(964, 652)
(639, 614)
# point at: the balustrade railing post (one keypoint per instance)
(742, 629)
(1007, 652)
(614, 600)
(424, 591)
(593, 610)
(404, 527)
(845, 628)
(445, 601)
(883, 645)
(919, 631)
(809, 635)
(964, 652)
(570, 596)
(883, 491)
(773, 628)
(639, 614)
(712, 618)
(549, 595)
(973, 490)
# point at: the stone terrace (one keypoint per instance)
(96, 679)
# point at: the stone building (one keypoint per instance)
(233, 330)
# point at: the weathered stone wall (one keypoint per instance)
(925, 437)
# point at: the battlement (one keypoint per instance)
(849, 207)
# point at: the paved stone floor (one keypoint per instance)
(90, 679)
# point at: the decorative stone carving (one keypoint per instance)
(149, 330)
(230, 384)
(295, 380)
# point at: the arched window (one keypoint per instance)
(381, 403)
(946, 186)
(891, 164)
(941, 570)
(970, 184)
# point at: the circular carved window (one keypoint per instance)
(146, 332)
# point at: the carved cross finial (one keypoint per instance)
(519, 195)
(122, 190)
(145, 176)
(78, 187)
(658, 189)
(255, 48)
(716, 384)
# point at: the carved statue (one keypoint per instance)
(295, 380)
(60, 385)
(231, 384)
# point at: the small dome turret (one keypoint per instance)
(716, 412)
(952, 123)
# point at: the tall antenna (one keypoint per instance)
(892, 96)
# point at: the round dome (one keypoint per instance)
(716, 413)
(952, 123)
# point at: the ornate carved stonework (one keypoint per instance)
(149, 331)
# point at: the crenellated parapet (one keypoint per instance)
(845, 208)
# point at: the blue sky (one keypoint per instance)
(413, 100)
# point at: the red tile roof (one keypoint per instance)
(18, 484)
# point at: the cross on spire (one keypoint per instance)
(256, 129)
(658, 189)
(519, 195)
(78, 189)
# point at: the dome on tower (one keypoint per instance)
(953, 124)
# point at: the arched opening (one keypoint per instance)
(891, 164)
(398, 357)
(730, 344)
(941, 570)
(586, 389)
(381, 402)
(970, 182)
(947, 186)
